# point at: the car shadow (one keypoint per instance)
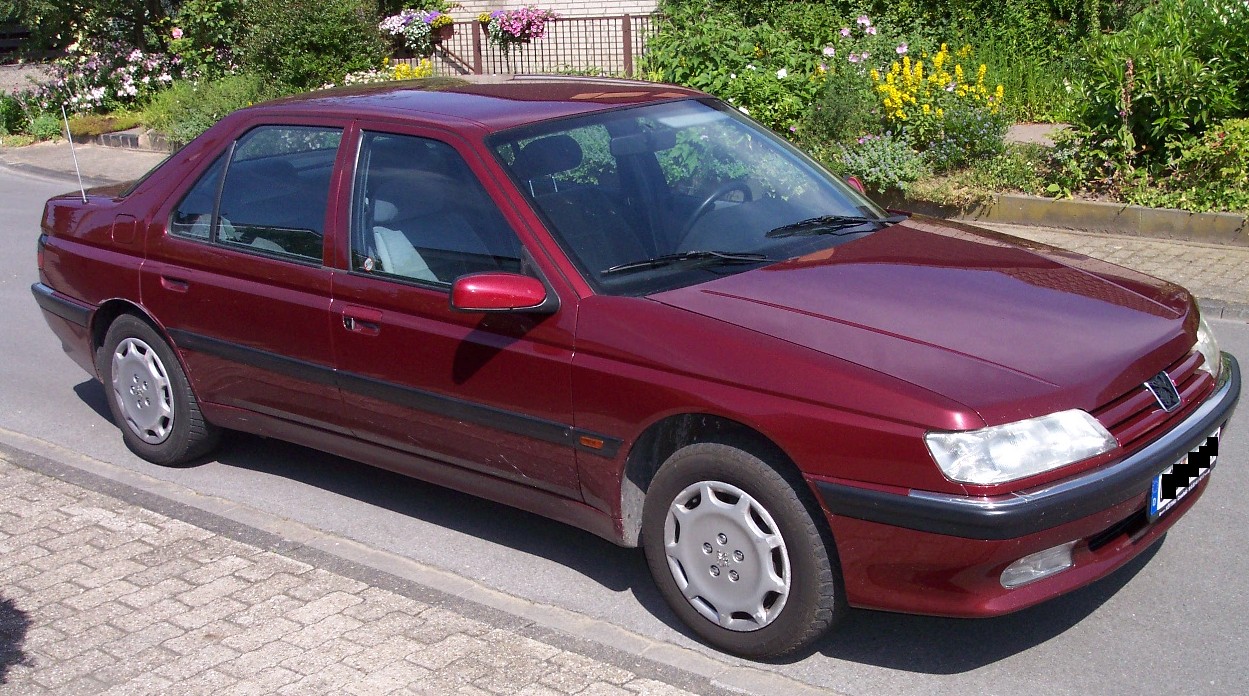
(935, 645)
(14, 623)
(618, 569)
(91, 392)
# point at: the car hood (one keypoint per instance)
(1007, 327)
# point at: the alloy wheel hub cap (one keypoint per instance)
(727, 556)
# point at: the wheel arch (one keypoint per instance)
(667, 435)
(104, 316)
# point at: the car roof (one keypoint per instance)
(495, 102)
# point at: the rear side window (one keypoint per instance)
(273, 196)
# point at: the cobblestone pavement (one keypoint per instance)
(100, 596)
(1218, 273)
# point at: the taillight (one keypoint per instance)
(43, 240)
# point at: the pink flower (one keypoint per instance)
(871, 30)
(864, 20)
(853, 58)
(829, 51)
(845, 31)
(176, 33)
(901, 49)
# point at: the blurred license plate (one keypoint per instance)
(1183, 476)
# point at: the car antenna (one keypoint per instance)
(70, 137)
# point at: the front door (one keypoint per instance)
(487, 392)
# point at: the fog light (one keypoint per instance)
(1038, 565)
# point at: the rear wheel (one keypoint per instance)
(735, 548)
(150, 396)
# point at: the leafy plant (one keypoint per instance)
(46, 127)
(1211, 175)
(301, 44)
(967, 134)
(883, 162)
(846, 108)
(204, 34)
(187, 109)
(88, 125)
(13, 117)
(1152, 89)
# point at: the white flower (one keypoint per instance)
(781, 74)
(732, 76)
(750, 66)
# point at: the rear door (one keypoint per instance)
(487, 392)
(239, 276)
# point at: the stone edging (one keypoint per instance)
(133, 139)
(1092, 216)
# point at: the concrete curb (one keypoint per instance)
(1092, 216)
(133, 139)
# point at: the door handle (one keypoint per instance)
(174, 284)
(362, 320)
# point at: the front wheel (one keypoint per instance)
(150, 396)
(733, 544)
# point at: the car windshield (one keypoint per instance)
(659, 196)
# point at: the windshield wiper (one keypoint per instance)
(696, 255)
(831, 224)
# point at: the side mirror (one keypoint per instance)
(856, 184)
(502, 292)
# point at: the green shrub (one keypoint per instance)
(205, 33)
(882, 162)
(1152, 89)
(303, 44)
(967, 134)
(47, 127)
(1211, 175)
(12, 115)
(845, 109)
(187, 109)
(88, 125)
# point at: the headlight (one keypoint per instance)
(1017, 450)
(1209, 348)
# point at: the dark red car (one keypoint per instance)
(627, 307)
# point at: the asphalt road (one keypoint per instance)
(1174, 621)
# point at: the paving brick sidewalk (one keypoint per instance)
(100, 596)
(1218, 274)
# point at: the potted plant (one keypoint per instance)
(510, 28)
(416, 31)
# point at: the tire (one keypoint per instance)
(736, 550)
(150, 397)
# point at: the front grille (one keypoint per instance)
(1134, 417)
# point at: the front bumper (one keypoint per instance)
(939, 553)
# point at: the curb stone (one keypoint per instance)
(1092, 216)
(668, 663)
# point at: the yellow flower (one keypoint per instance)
(927, 109)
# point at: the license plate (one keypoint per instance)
(1183, 476)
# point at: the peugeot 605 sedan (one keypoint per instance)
(628, 307)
